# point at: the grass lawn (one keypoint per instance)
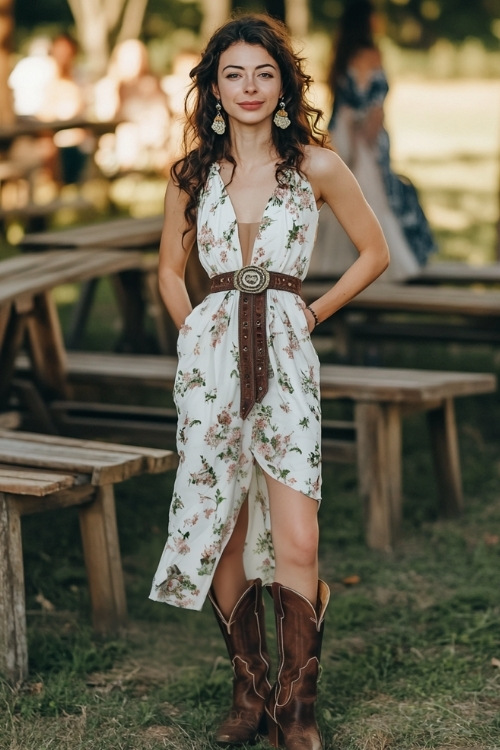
(411, 655)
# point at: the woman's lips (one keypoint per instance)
(250, 105)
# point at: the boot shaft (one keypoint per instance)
(299, 629)
(245, 636)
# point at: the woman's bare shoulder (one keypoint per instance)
(320, 162)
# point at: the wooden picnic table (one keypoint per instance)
(128, 234)
(40, 473)
(27, 308)
(443, 272)
(33, 127)
(125, 232)
(403, 311)
(456, 272)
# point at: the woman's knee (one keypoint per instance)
(299, 546)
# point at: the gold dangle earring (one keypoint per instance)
(219, 124)
(281, 119)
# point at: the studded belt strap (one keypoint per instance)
(252, 283)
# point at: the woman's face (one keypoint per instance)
(248, 83)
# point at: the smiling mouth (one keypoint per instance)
(250, 105)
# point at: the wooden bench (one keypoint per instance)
(404, 311)
(40, 473)
(381, 398)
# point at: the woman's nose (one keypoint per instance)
(250, 85)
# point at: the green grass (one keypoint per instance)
(408, 656)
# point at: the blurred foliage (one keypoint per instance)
(410, 23)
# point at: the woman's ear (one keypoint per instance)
(215, 91)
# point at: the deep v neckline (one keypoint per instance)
(235, 217)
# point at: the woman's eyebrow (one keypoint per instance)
(257, 67)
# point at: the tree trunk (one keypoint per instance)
(100, 23)
(297, 17)
(215, 13)
(132, 20)
(7, 116)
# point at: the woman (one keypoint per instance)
(359, 88)
(245, 501)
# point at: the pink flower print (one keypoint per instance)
(234, 437)
(182, 546)
(224, 418)
(260, 423)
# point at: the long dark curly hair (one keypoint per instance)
(354, 33)
(203, 147)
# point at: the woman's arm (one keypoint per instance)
(334, 184)
(174, 253)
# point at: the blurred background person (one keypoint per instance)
(64, 99)
(175, 86)
(132, 93)
(359, 87)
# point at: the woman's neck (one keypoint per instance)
(251, 147)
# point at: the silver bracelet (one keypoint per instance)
(316, 319)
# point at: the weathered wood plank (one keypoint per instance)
(154, 460)
(405, 298)
(102, 467)
(13, 328)
(102, 561)
(30, 482)
(46, 346)
(337, 381)
(126, 232)
(41, 271)
(13, 645)
(379, 472)
(444, 441)
(79, 494)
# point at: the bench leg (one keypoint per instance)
(103, 562)
(13, 644)
(379, 447)
(444, 438)
(46, 345)
(12, 329)
(165, 328)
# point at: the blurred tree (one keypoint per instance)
(419, 23)
(100, 23)
(6, 26)
(411, 23)
(215, 13)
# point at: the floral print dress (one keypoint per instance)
(222, 457)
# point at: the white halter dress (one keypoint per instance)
(222, 456)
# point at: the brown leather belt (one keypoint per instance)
(252, 283)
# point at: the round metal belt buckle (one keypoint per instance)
(251, 279)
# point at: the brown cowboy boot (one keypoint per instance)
(290, 706)
(245, 637)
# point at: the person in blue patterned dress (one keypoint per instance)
(359, 86)
(248, 486)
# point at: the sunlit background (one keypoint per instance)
(442, 58)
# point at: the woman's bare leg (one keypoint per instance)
(229, 580)
(295, 533)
